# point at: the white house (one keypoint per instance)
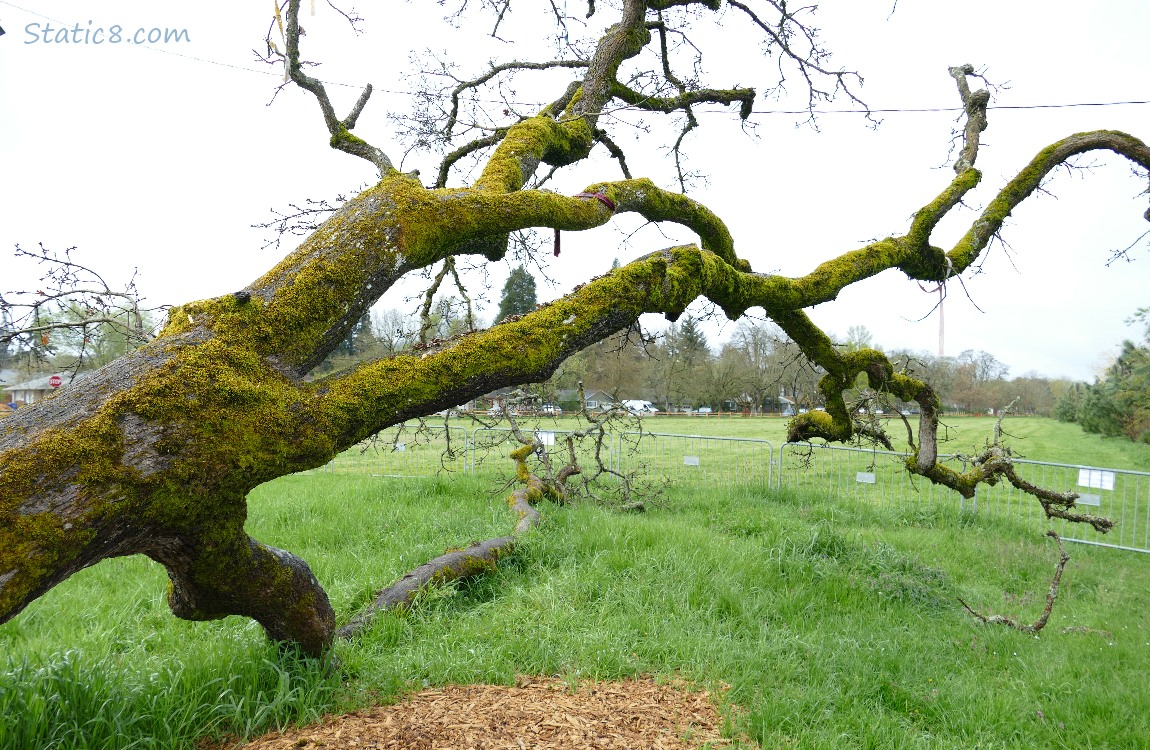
(37, 389)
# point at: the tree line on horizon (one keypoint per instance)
(1118, 403)
(759, 370)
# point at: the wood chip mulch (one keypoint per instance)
(538, 712)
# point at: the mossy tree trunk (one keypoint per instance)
(155, 453)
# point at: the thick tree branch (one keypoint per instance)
(425, 321)
(340, 130)
(476, 559)
(557, 138)
(468, 148)
(616, 152)
(643, 197)
(273, 587)
(534, 141)
(967, 249)
(745, 98)
(620, 42)
(975, 106)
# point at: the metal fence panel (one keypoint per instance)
(880, 478)
(848, 473)
(411, 450)
(672, 458)
(698, 459)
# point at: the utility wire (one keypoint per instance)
(891, 110)
(934, 109)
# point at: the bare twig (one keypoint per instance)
(1051, 596)
(299, 220)
(495, 70)
(810, 62)
(75, 299)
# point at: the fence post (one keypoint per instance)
(770, 464)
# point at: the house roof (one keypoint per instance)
(41, 383)
(572, 394)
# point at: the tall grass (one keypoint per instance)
(90, 698)
(834, 625)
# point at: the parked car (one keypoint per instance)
(551, 410)
(635, 406)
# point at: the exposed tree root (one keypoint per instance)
(474, 560)
(482, 557)
(1051, 596)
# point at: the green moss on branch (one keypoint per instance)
(539, 139)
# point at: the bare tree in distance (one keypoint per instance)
(72, 310)
(157, 453)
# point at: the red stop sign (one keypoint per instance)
(55, 381)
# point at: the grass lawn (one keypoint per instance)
(835, 624)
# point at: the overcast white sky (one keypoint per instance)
(162, 157)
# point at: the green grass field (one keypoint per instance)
(836, 624)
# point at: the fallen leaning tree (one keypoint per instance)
(156, 453)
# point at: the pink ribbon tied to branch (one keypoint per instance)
(601, 197)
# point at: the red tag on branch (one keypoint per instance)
(601, 197)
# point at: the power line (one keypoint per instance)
(935, 109)
(253, 70)
(888, 110)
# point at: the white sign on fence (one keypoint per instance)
(400, 447)
(864, 477)
(690, 460)
(545, 437)
(1089, 500)
(1098, 479)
